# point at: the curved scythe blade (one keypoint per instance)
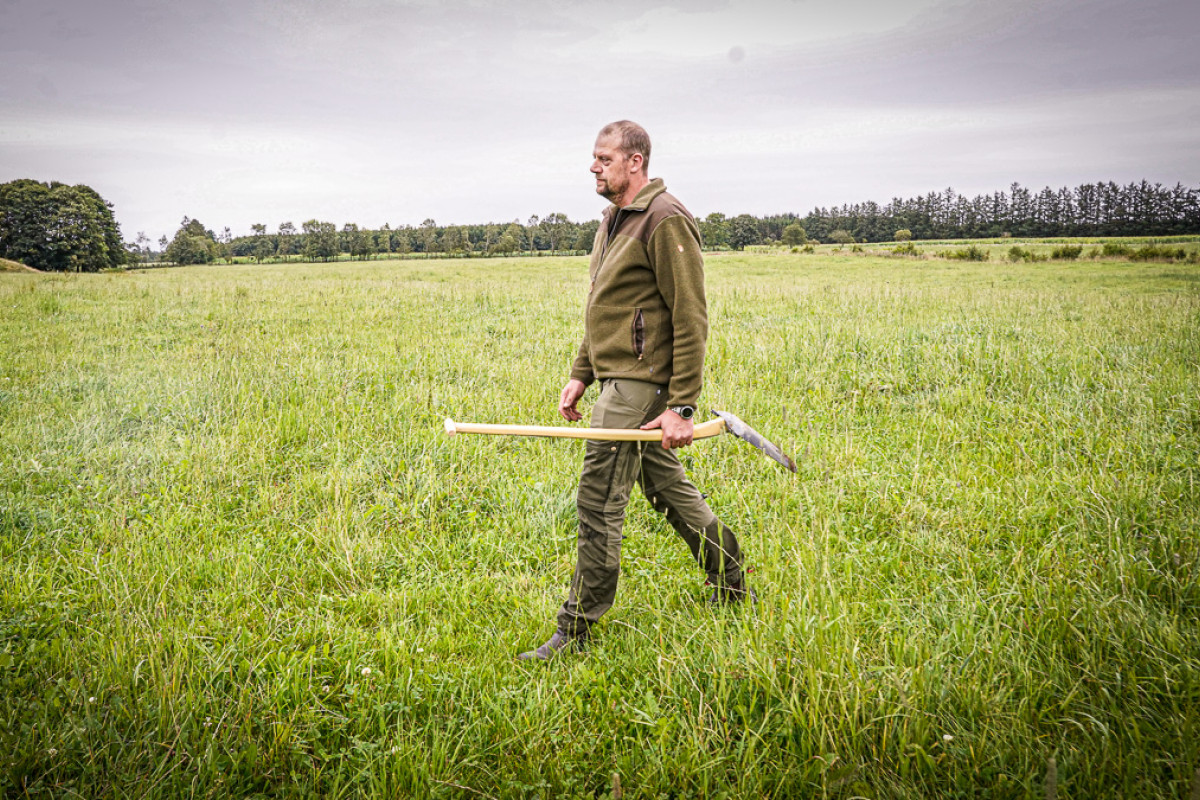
(747, 434)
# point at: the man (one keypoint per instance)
(645, 324)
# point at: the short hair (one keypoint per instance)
(633, 137)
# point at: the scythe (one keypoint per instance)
(725, 422)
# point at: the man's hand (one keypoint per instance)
(677, 431)
(569, 398)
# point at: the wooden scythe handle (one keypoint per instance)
(705, 430)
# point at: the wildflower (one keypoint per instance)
(947, 737)
(91, 699)
(366, 671)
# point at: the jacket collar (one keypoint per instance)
(642, 200)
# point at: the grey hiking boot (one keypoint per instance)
(557, 644)
(733, 593)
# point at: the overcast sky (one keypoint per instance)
(237, 112)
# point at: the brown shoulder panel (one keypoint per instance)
(643, 224)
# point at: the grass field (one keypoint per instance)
(240, 557)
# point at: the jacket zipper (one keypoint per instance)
(639, 333)
(612, 228)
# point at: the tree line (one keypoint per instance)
(1100, 209)
(317, 240)
(1091, 209)
(53, 226)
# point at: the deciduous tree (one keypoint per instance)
(263, 247)
(320, 240)
(794, 235)
(743, 230)
(287, 240)
(193, 244)
(53, 226)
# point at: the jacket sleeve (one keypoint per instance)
(674, 253)
(582, 370)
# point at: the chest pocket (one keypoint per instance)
(618, 335)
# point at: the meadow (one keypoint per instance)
(240, 556)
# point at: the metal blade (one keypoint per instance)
(747, 434)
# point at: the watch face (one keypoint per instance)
(685, 411)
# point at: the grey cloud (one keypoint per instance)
(999, 52)
(481, 110)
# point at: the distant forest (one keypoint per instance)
(1093, 209)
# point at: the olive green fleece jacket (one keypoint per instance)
(646, 317)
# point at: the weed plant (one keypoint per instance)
(240, 557)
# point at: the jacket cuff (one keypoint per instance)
(674, 401)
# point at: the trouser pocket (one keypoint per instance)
(611, 468)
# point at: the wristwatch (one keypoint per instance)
(685, 412)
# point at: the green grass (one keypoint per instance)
(239, 556)
(1179, 249)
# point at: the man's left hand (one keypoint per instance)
(677, 431)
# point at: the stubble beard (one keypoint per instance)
(607, 191)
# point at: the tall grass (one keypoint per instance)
(240, 557)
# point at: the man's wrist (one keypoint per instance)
(684, 412)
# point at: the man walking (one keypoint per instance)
(645, 328)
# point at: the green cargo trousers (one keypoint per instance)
(609, 471)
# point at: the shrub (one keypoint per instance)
(841, 236)
(856, 249)
(1116, 249)
(1068, 252)
(972, 253)
(1156, 252)
(906, 249)
(808, 248)
(903, 235)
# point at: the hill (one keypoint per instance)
(14, 266)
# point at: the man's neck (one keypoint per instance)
(635, 185)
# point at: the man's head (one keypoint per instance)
(620, 161)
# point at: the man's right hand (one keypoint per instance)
(569, 398)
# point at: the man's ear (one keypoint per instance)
(638, 161)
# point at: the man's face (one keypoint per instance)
(611, 168)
